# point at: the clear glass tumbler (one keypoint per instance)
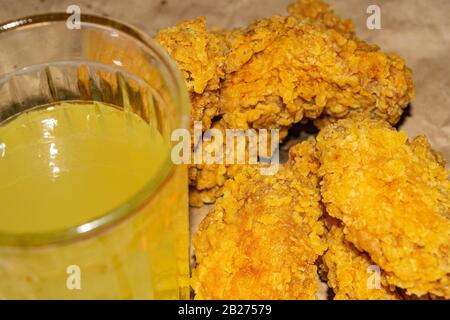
(140, 249)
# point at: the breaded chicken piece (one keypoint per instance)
(350, 273)
(320, 12)
(200, 55)
(206, 183)
(264, 236)
(207, 180)
(393, 198)
(306, 70)
(279, 71)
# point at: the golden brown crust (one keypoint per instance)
(350, 273)
(263, 237)
(200, 55)
(320, 12)
(198, 52)
(278, 71)
(304, 69)
(393, 198)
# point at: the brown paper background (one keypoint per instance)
(419, 30)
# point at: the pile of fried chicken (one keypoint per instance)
(359, 206)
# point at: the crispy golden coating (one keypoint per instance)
(206, 183)
(393, 198)
(320, 12)
(279, 71)
(350, 273)
(304, 69)
(263, 237)
(200, 55)
(207, 180)
(198, 52)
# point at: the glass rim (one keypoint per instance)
(141, 197)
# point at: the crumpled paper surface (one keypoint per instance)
(418, 30)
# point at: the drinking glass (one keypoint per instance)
(139, 250)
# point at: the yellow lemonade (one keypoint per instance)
(64, 168)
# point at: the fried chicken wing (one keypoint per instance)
(393, 198)
(200, 55)
(306, 70)
(350, 273)
(263, 237)
(206, 183)
(278, 71)
(207, 180)
(321, 13)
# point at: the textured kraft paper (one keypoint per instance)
(418, 30)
